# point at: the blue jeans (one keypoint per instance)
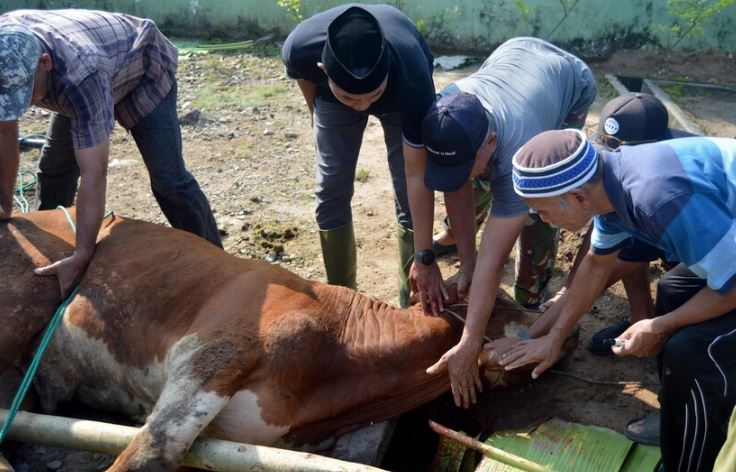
(158, 138)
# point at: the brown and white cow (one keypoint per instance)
(189, 340)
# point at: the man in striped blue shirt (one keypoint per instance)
(91, 69)
(680, 196)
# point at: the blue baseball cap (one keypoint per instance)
(453, 130)
(19, 55)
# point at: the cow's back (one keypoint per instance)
(29, 301)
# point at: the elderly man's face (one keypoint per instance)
(566, 211)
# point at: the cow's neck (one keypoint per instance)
(387, 351)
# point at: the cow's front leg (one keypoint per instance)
(174, 424)
(189, 401)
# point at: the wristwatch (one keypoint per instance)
(426, 257)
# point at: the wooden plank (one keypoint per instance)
(366, 445)
(613, 80)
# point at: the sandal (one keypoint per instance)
(644, 430)
(544, 306)
(597, 345)
(440, 249)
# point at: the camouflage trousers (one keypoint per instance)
(536, 249)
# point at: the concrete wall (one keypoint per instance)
(592, 27)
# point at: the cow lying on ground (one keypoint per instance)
(189, 340)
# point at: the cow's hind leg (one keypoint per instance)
(186, 406)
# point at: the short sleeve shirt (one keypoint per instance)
(105, 66)
(409, 90)
(527, 86)
(680, 196)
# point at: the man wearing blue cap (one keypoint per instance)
(677, 195)
(471, 133)
(92, 68)
(350, 62)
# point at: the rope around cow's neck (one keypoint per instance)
(461, 319)
(33, 367)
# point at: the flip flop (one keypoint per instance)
(440, 249)
(644, 430)
(598, 347)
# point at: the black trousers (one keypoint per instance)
(697, 370)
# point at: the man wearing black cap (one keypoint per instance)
(350, 62)
(526, 86)
(680, 196)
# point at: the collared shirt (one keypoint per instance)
(105, 66)
(678, 195)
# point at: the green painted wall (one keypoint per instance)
(591, 27)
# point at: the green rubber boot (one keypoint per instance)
(405, 239)
(339, 255)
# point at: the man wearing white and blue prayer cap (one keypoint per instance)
(678, 195)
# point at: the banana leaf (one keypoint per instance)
(569, 447)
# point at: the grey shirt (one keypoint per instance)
(527, 86)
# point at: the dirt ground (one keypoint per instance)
(247, 140)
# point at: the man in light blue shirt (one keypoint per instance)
(679, 196)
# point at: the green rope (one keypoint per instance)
(31, 372)
(68, 218)
(26, 178)
(23, 186)
(33, 367)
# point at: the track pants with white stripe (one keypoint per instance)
(698, 372)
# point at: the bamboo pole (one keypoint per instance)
(205, 453)
(488, 451)
(4, 466)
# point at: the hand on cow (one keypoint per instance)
(490, 356)
(544, 352)
(464, 279)
(642, 339)
(69, 271)
(427, 280)
(461, 362)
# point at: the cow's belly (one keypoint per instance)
(242, 420)
(80, 367)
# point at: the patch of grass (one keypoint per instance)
(605, 89)
(267, 50)
(217, 95)
(267, 91)
(362, 175)
(674, 90)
